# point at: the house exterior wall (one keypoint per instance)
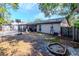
(57, 28)
(6, 28)
(20, 28)
(15, 27)
(46, 28)
(64, 23)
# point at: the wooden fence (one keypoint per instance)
(66, 31)
(70, 32)
(76, 34)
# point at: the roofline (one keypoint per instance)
(49, 23)
(54, 22)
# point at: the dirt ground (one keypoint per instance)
(28, 44)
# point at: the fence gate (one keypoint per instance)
(66, 31)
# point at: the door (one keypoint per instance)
(51, 30)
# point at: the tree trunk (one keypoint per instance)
(67, 18)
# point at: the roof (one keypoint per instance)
(15, 23)
(49, 21)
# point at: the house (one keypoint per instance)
(6, 27)
(51, 26)
(64, 23)
(14, 26)
(21, 27)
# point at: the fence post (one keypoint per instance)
(61, 31)
(77, 34)
(68, 31)
(73, 32)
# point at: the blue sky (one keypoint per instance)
(28, 12)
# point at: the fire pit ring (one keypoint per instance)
(57, 49)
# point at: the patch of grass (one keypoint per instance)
(40, 33)
(56, 39)
(53, 39)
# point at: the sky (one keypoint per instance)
(28, 12)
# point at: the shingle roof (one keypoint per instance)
(58, 20)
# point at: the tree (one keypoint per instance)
(4, 11)
(66, 9)
(37, 20)
(18, 20)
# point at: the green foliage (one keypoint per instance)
(53, 39)
(15, 6)
(37, 20)
(50, 9)
(2, 21)
(47, 8)
(56, 39)
(76, 24)
(4, 11)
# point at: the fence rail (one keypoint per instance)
(70, 32)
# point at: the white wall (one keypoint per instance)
(45, 28)
(56, 28)
(15, 28)
(6, 28)
(64, 23)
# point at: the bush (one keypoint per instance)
(76, 24)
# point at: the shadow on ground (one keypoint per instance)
(23, 45)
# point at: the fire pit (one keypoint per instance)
(57, 49)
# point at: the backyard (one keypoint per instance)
(36, 29)
(31, 44)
